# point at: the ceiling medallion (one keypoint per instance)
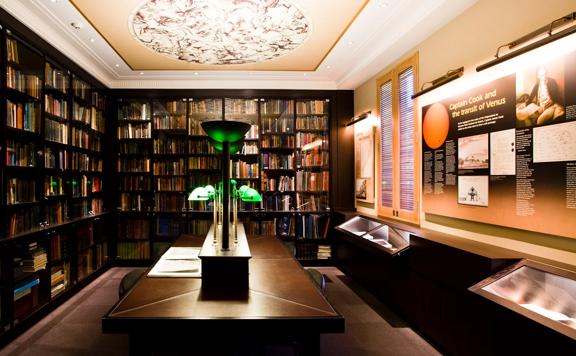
(219, 32)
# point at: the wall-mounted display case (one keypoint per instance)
(543, 293)
(391, 239)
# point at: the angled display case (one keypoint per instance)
(390, 239)
(540, 292)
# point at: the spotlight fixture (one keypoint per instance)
(450, 75)
(359, 118)
(530, 36)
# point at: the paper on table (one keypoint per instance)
(178, 262)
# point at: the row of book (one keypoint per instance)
(312, 107)
(59, 279)
(275, 141)
(213, 106)
(137, 130)
(134, 165)
(176, 122)
(84, 237)
(84, 163)
(55, 131)
(204, 162)
(195, 128)
(133, 250)
(240, 106)
(55, 106)
(97, 120)
(277, 161)
(277, 107)
(281, 184)
(85, 264)
(23, 220)
(169, 226)
(83, 139)
(177, 167)
(55, 78)
(56, 213)
(133, 147)
(20, 154)
(53, 186)
(313, 158)
(241, 169)
(12, 50)
(82, 113)
(20, 191)
(134, 202)
(81, 89)
(249, 148)
(55, 158)
(312, 140)
(277, 125)
(58, 247)
(278, 202)
(201, 147)
(175, 107)
(312, 123)
(311, 202)
(312, 181)
(169, 202)
(167, 146)
(170, 184)
(199, 227)
(135, 183)
(29, 84)
(80, 187)
(23, 116)
(134, 111)
(312, 226)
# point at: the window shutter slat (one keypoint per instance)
(406, 118)
(386, 164)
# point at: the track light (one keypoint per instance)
(446, 78)
(359, 118)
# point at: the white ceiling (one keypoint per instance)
(382, 32)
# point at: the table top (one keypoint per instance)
(281, 294)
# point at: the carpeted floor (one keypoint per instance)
(74, 328)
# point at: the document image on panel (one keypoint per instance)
(555, 143)
(503, 153)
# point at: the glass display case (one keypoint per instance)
(543, 293)
(391, 239)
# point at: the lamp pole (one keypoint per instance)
(225, 194)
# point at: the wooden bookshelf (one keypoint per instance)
(52, 134)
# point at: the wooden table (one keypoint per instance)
(282, 306)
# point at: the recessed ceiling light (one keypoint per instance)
(117, 65)
(304, 74)
(92, 40)
(141, 73)
(383, 4)
(53, 1)
(350, 43)
(76, 25)
(328, 67)
(195, 73)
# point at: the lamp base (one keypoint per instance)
(225, 270)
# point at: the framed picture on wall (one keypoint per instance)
(364, 164)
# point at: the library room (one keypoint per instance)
(287, 177)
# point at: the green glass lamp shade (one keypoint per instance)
(243, 189)
(225, 130)
(234, 146)
(210, 190)
(199, 194)
(250, 195)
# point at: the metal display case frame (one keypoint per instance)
(536, 311)
(387, 238)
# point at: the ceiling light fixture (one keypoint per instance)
(571, 17)
(383, 4)
(141, 73)
(350, 43)
(92, 40)
(231, 32)
(195, 73)
(328, 67)
(117, 65)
